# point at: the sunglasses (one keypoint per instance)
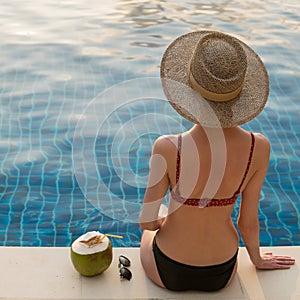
(124, 262)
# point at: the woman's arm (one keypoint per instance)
(248, 222)
(158, 184)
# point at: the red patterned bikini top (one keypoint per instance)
(205, 202)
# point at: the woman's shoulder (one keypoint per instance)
(166, 144)
(261, 141)
(261, 149)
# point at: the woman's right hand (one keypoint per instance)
(269, 261)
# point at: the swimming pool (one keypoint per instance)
(69, 65)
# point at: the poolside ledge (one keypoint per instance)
(47, 273)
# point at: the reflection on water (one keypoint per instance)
(58, 55)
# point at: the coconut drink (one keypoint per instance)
(91, 253)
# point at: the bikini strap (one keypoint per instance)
(178, 158)
(249, 163)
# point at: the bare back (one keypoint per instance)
(204, 236)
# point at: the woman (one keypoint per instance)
(219, 83)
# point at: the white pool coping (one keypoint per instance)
(47, 273)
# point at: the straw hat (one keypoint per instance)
(214, 79)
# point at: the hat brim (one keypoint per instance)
(246, 106)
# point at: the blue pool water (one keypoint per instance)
(80, 107)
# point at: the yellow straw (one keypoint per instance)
(114, 235)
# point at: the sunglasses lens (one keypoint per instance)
(123, 260)
(125, 273)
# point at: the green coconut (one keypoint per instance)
(91, 253)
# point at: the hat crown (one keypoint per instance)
(219, 63)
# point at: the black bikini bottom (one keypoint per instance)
(181, 277)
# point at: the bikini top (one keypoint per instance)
(206, 202)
